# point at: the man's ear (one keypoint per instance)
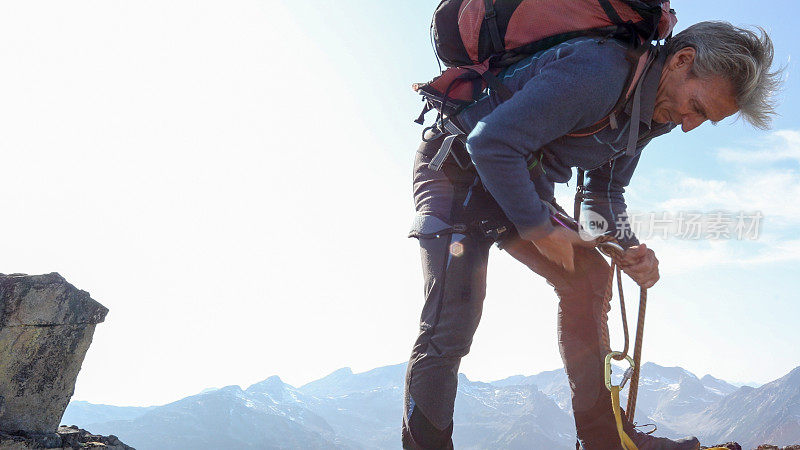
(683, 59)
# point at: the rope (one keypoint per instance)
(612, 249)
(623, 311)
(637, 355)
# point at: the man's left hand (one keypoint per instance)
(640, 263)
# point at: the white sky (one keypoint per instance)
(238, 196)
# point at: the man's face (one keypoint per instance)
(688, 100)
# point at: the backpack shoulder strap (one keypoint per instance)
(633, 84)
(639, 60)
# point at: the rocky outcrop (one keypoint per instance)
(775, 447)
(46, 327)
(65, 438)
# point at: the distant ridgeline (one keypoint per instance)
(352, 411)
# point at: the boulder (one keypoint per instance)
(46, 327)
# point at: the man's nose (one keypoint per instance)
(691, 121)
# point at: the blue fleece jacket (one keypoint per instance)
(557, 92)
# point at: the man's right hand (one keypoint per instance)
(557, 246)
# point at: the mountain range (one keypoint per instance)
(347, 410)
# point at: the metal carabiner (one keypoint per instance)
(608, 370)
(610, 246)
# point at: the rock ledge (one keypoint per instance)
(70, 437)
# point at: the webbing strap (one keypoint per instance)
(441, 155)
(497, 86)
(451, 128)
(494, 32)
(421, 119)
(447, 144)
(611, 12)
(624, 439)
(636, 113)
(612, 121)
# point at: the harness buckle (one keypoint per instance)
(491, 230)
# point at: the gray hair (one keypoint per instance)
(739, 55)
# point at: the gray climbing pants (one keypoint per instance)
(457, 223)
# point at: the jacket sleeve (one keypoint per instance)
(574, 87)
(605, 187)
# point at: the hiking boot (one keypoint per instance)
(597, 430)
(646, 441)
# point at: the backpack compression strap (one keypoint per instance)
(494, 31)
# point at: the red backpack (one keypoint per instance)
(477, 38)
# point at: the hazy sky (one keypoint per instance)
(232, 179)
